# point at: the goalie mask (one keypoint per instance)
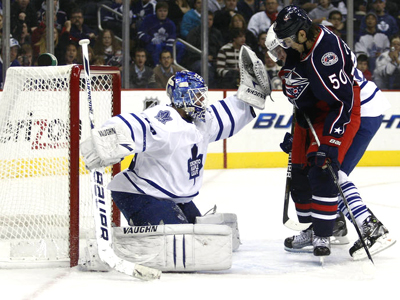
(188, 91)
(290, 20)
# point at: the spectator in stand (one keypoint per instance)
(387, 70)
(215, 42)
(261, 21)
(26, 56)
(72, 54)
(372, 42)
(248, 8)
(22, 11)
(109, 48)
(238, 21)
(78, 30)
(386, 23)
(322, 11)
(261, 49)
(228, 60)
(14, 52)
(272, 70)
(165, 69)
(176, 10)
(222, 17)
(25, 36)
(191, 19)
(214, 5)
(39, 39)
(141, 76)
(110, 20)
(140, 9)
(338, 25)
(157, 33)
(14, 49)
(362, 65)
(60, 17)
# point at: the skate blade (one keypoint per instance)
(339, 240)
(307, 249)
(381, 244)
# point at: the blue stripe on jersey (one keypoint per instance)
(363, 84)
(129, 126)
(370, 97)
(221, 126)
(136, 187)
(156, 186)
(230, 117)
(143, 129)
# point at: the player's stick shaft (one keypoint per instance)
(104, 235)
(335, 179)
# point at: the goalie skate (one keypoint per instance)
(375, 236)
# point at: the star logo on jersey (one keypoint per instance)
(163, 116)
(195, 164)
(337, 130)
(295, 85)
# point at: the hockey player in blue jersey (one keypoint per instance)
(318, 80)
(170, 144)
(373, 104)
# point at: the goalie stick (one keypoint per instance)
(290, 223)
(336, 181)
(104, 235)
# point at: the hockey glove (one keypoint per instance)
(106, 146)
(326, 154)
(287, 143)
(254, 81)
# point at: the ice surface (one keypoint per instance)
(261, 268)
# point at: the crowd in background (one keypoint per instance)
(155, 25)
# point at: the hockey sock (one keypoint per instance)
(358, 208)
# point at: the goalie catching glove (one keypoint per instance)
(254, 81)
(107, 146)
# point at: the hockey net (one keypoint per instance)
(46, 211)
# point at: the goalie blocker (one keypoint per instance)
(205, 246)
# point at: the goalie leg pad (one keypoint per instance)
(224, 219)
(176, 248)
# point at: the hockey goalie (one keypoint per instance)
(169, 143)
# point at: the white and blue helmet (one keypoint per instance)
(188, 91)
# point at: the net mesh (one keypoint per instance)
(34, 161)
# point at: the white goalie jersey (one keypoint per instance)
(171, 152)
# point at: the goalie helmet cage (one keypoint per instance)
(46, 211)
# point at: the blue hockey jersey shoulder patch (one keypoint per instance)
(329, 59)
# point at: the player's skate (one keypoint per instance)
(322, 246)
(301, 243)
(339, 236)
(375, 236)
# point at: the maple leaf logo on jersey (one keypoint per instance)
(195, 164)
(295, 85)
(163, 116)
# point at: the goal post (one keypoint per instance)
(46, 211)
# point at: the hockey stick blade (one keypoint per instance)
(296, 225)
